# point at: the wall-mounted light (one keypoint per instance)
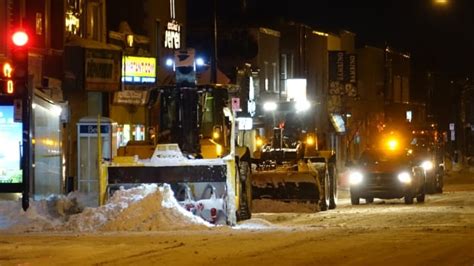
(130, 40)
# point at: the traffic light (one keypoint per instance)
(7, 85)
(16, 83)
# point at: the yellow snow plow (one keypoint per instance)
(195, 155)
(295, 172)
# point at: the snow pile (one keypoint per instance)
(44, 215)
(144, 208)
(156, 211)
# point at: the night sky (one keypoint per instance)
(439, 38)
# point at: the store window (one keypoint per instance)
(72, 17)
(130, 132)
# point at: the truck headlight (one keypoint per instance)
(427, 165)
(259, 142)
(310, 140)
(219, 150)
(404, 177)
(355, 178)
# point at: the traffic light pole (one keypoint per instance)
(26, 158)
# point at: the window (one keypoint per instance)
(283, 72)
(72, 17)
(95, 21)
(274, 77)
(265, 74)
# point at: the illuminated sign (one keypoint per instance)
(173, 30)
(10, 143)
(173, 35)
(338, 123)
(102, 69)
(138, 69)
(296, 89)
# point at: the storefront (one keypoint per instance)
(129, 105)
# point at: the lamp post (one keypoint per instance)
(214, 45)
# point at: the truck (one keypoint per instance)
(290, 167)
(195, 151)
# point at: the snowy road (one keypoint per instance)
(438, 232)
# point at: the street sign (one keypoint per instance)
(235, 104)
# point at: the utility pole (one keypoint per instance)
(214, 45)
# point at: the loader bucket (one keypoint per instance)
(285, 186)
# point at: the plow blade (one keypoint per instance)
(200, 189)
(200, 179)
(286, 186)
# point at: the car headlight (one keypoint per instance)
(404, 177)
(355, 178)
(427, 165)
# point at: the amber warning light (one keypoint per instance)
(20, 38)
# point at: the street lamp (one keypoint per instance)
(302, 106)
(271, 107)
(441, 2)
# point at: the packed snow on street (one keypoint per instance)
(146, 225)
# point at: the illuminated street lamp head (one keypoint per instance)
(302, 106)
(441, 2)
(270, 106)
(20, 38)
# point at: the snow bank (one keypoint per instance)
(144, 208)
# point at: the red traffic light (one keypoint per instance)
(20, 38)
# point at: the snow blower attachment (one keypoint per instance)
(200, 185)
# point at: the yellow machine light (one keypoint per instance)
(259, 142)
(219, 150)
(216, 135)
(392, 144)
(410, 151)
(310, 140)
